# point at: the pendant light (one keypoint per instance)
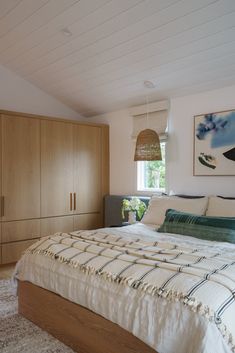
(148, 146)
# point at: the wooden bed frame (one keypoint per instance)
(76, 326)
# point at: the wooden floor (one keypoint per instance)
(6, 271)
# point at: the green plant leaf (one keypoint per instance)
(135, 205)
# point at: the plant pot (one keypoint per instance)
(131, 217)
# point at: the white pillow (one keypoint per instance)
(155, 213)
(219, 207)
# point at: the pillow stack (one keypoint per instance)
(221, 207)
(210, 218)
(158, 206)
(202, 227)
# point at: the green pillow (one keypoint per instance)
(202, 227)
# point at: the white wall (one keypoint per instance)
(122, 165)
(179, 147)
(17, 94)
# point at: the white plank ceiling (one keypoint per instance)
(112, 46)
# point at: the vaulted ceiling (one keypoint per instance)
(95, 54)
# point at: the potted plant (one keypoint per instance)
(133, 206)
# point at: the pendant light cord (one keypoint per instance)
(147, 106)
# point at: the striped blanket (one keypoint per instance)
(204, 281)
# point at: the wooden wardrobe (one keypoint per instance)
(54, 174)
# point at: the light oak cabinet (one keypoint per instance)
(56, 168)
(11, 252)
(53, 176)
(20, 230)
(87, 169)
(71, 169)
(20, 168)
(0, 244)
(56, 224)
(1, 197)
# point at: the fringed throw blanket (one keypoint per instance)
(202, 280)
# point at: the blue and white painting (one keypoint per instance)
(214, 143)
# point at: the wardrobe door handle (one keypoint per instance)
(74, 201)
(71, 201)
(2, 206)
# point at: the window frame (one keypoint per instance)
(150, 191)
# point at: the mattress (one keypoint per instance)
(167, 326)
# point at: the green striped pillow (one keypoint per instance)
(202, 227)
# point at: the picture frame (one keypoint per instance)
(214, 144)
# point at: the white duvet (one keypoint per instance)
(168, 327)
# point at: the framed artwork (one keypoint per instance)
(214, 143)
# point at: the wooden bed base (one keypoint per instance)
(76, 326)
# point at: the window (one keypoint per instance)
(151, 174)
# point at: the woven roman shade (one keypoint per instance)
(156, 121)
(149, 128)
(148, 146)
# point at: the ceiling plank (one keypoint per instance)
(158, 27)
(18, 14)
(7, 6)
(144, 67)
(142, 46)
(121, 28)
(79, 10)
(53, 44)
(38, 19)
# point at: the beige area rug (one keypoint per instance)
(18, 335)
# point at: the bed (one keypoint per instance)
(124, 307)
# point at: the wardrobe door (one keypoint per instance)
(0, 244)
(12, 252)
(20, 168)
(52, 225)
(56, 168)
(1, 199)
(20, 230)
(87, 169)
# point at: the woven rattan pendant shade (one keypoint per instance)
(148, 146)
